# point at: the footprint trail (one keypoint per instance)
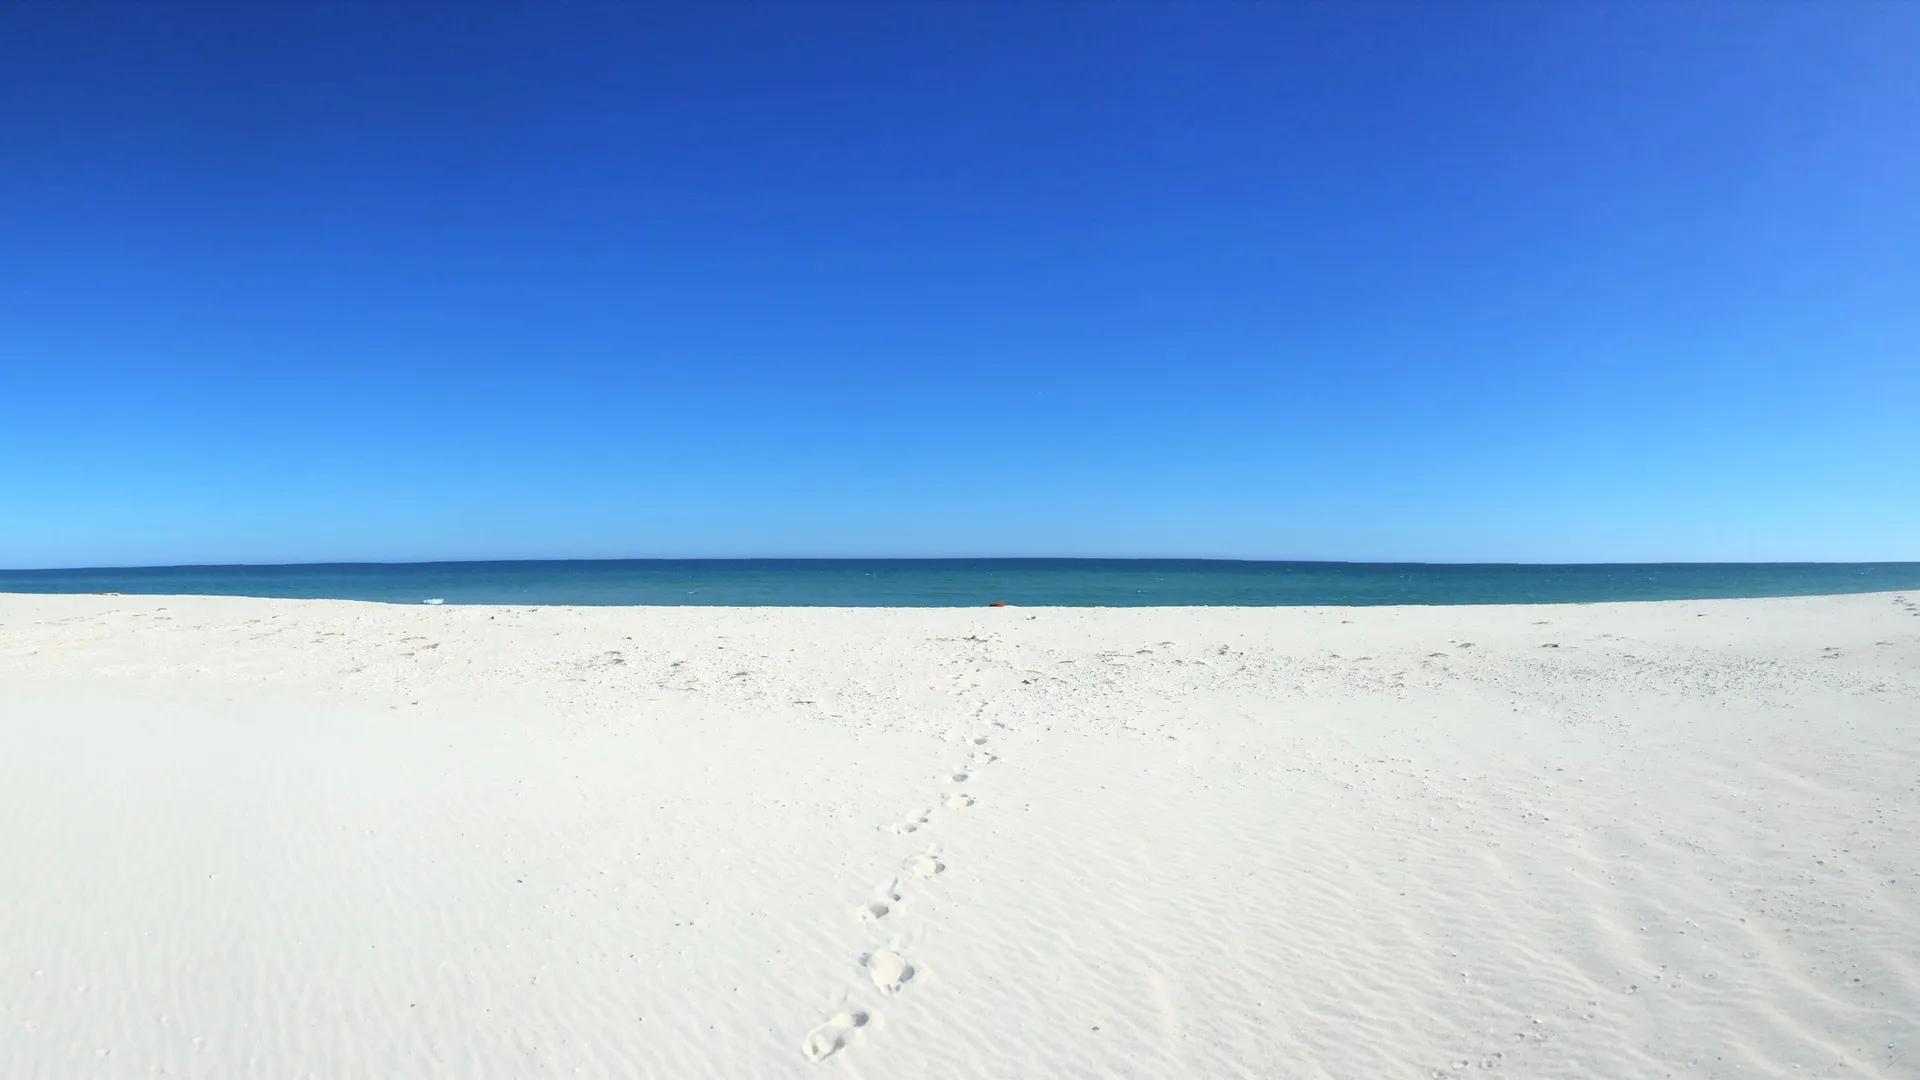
(886, 968)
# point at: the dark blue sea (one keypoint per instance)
(973, 582)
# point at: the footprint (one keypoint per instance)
(927, 865)
(985, 757)
(913, 823)
(979, 740)
(959, 776)
(822, 1042)
(959, 800)
(888, 969)
(882, 903)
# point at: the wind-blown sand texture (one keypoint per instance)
(287, 838)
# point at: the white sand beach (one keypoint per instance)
(263, 838)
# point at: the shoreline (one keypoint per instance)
(983, 606)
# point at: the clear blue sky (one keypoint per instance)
(288, 282)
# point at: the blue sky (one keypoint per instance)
(1448, 282)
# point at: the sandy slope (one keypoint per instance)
(277, 838)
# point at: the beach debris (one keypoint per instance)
(434, 600)
(998, 603)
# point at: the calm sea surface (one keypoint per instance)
(970, 582)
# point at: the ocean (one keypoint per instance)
(975, 582)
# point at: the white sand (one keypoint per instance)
(276, 838)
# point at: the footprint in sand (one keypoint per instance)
(985, 757)
(888, 969)
(979, 740)
(927, 865)
(959, 800)
(959, 776)
(822, 1042)
(882, 903)
(913, 823)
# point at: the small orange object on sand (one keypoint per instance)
(998, 603)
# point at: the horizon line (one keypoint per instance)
(951, 558)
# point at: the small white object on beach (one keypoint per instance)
(434, 600)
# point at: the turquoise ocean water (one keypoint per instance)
(971, 582)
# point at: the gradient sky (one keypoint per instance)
(1528, 282)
